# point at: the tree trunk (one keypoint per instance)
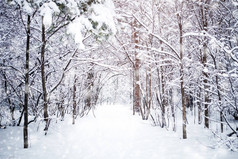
(182, 76)
(206, 87)
(219, 95)
(89, 95)
(25, 128)
(164, 97)
(133, 90)
(204, 10)
(43, 79)
(173, 109)
(19, 121)
(199, 105)
(148, 92)
(137, 98)
(11, 105)
(74, 99)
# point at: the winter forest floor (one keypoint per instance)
(112, 134)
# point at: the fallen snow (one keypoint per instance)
(113, 134)
(47, 10)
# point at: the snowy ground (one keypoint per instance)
(113, 134)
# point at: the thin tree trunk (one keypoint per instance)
(19, 121)
(74, 99)
(199, 106)
(204, 10)
(182, 76)
(206, 87)
(219, 95)
(194, 107)
(148, 77)
(25, 128)
(148, 91)
(137, 103)
(11, 105)
(162, 82)
(133, 91)
(43, 79)
(89, 85)
(164, 97)
(173, 109)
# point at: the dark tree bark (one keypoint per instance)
(25, 128)
(43, 79)
(11, 105)
(19, 121)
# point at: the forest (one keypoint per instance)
(174, 63)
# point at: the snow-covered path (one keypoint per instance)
(113, 134)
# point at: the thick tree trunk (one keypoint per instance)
(25, 128)
(43, 79)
